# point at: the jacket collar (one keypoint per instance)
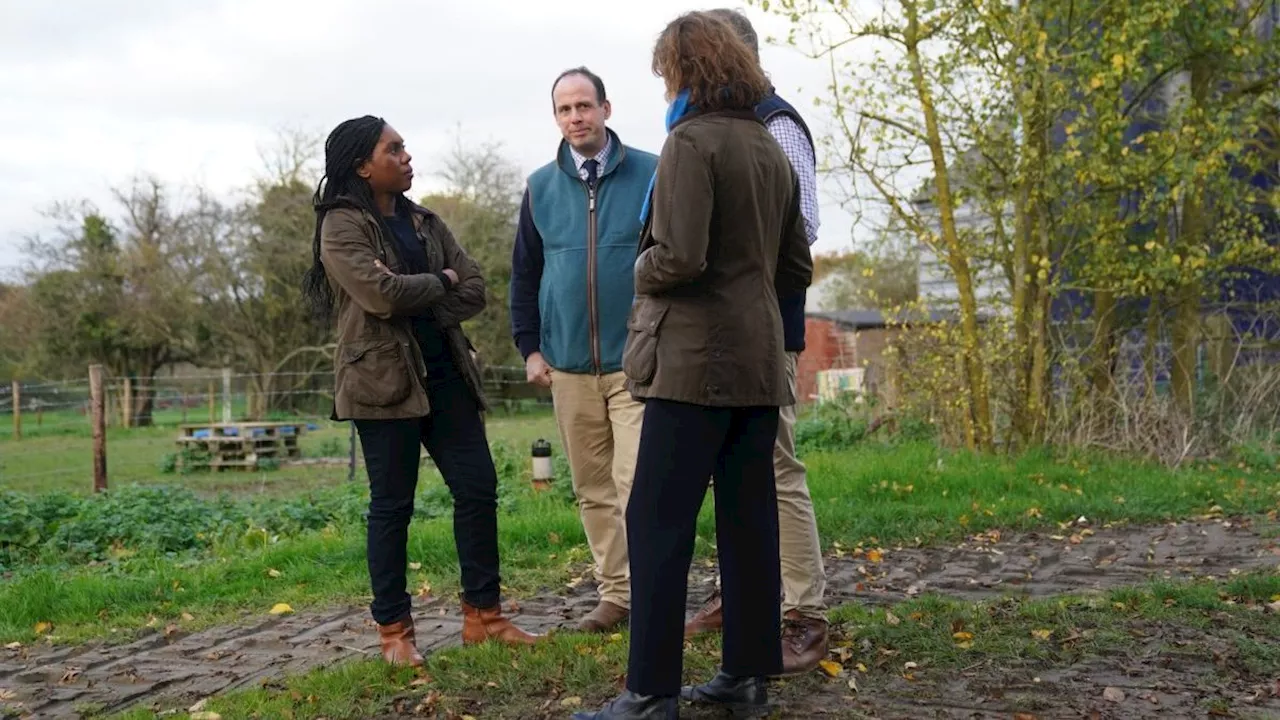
(740, 114)
(564, 157)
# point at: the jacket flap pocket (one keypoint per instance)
(352, 352)
(646, 316)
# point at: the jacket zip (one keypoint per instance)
(593, 311)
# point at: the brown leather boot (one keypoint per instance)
(398, 643)
(481, 624)
(804, 643)
(605, 617)
(708, 619)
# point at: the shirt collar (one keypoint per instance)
(601, 157)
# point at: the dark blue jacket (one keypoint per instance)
(790, 306)
(572, 267)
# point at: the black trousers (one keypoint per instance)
(681, 447)
(454, 436)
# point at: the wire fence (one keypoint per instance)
(104, 429)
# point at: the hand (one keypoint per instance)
(377, 264)
(537, 371)
(453, 276)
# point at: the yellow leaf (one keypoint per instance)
(281, 609)
(832, 669)
(574, 701)
(188, 617)
(1096, 82)
(43, 627)
(862, 668)
(875, 556)
(1117, 61)
(415, 566)
(967, 645)
(205, 715)
(1042, 634)
(468, 717)
(274, 573)
(616, 637)
(963, 636)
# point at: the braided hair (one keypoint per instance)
(350, 144)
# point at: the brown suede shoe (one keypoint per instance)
(479, 625)
(708, 619)
(605, 617)
(804, 643)
(398, 646)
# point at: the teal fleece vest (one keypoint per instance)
(577, 334)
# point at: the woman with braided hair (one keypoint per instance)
(392, 277)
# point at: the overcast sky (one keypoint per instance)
(95, 92)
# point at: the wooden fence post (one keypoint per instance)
(126, 404)
(17, 410)
(97, 400)
(226, 395)
(211, 415)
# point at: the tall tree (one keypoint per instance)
(481, 204)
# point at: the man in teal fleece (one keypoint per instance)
(571, 294)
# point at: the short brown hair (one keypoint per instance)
(702, 53)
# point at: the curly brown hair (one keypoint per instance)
(702, 53)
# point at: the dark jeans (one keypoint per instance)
(681, 447)
(454, 436)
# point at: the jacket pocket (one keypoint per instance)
(640, 356)
(374, 373)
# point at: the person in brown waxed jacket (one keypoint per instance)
(723, 236)
(400, 286)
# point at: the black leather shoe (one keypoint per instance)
(630, 706)
(743, 697)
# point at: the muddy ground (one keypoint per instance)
(181, 669)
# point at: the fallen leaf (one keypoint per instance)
(13, 646)
(962, 636)
(853, 684)
(574, 701)
(832, 669)
(419, 682)
(616, 637)
(281, 609)
(491, 684)
(891, 619)
(424, 590)
(170, 629)
(188, 617)
(861, 668)
(198, 706)
(205, 715)
(415, 566)
(909, 666)
(43, 627)
(1042, 634)
(274, 573)
(1024, 716)
(1113, 694)
(553, 538)
(875, 556)
(468, 717)
(7, 695)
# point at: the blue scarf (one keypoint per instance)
(678, 109)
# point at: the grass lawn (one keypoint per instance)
(922, 644)
(59, 456)
(871, 495)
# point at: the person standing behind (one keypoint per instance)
(571, 291)
(804, 580)
(705, 351)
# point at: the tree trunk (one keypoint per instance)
(1104, 347)
(957, 259)
(1194, 226)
